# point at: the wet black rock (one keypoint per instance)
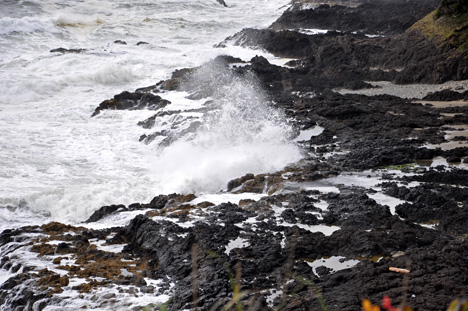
(373, 280)
(290, 44)
(424, 212)
(64, 51)
(105, 211)
(270, 242)
(289, 216)
(181, 78)
(387, 17)
(341, 59)
(173, 256)
(446, 95)
(455, 221)
(25, 297)
(222, 2)
(432, 203)
(231, 213)
(378, 154)
(132, 101)
(352, 208)
(239, 181)
(454, 176)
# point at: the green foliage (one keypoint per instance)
(160, 307)
(458, 305)
(447, 26)
(402, 167)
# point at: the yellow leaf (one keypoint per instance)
(366, 305)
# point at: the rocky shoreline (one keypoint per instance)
(378, 186)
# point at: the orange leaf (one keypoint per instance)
(366, 305)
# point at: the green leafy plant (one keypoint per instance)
(160, 307)
(458, 305)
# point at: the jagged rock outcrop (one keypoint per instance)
(388, 17)
(132, 101)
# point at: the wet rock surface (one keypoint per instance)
(64, 51)
(389, 17)
(132, 101)
(447, 95)
(348, 57)
(277, 249)
(370, 193)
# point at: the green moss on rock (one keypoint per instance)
(447, 26)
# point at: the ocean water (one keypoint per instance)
(58, 163)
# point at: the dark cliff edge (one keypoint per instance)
(368, 44)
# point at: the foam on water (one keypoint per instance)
(335, 263)
(23, 25)
(241, 134)
(58, 163)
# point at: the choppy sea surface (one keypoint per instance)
(58, 163)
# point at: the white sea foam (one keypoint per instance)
(241, 134)
(58, 163)
(335, 263)
(307, 134)
(227, 197)
(236, 243)
(23, 25)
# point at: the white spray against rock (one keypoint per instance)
(241, 133)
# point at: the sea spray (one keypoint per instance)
(56, 162)
(241, 133)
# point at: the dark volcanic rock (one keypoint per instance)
(283, 43)
(374, 129)
(353, 208)
(174, 258)
(222, 2)
(239, 181)
(63, 50)
(104, 211)
(455, 222)
(451, 177)
(132, 101)
(446, 95)
(373, 280)
(421, 212)
(432, 203)
(388, 17)
(212, 71)
(339, 59)
(328, 60)
(452, 8)
(271, 243)
(26, 297)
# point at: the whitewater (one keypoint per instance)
(58, 163)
